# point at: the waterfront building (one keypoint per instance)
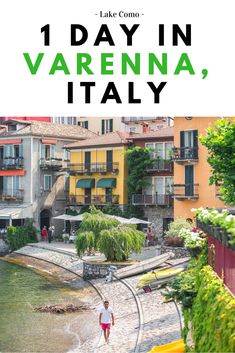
(157, 197)
(33, 181)
(191, 170)
(98, 171)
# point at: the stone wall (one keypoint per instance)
(178, 251)
(156, 215)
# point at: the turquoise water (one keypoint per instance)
(24, 330)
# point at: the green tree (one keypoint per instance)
(114, 240)
(138, 159)
(220, 142)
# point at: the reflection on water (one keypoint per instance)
(24, 330)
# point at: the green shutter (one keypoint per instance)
(52, 150)
(43, 151)
(111, 125)
(102, 126)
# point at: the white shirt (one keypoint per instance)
(106, 315)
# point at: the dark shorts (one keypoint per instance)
(105, 326)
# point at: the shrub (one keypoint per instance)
(20, 236)
(177, 225)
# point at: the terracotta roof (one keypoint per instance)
(166, 132)
(39, 128)
(112, 138)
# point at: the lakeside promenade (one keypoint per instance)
(142, 320)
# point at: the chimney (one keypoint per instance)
(145, 127)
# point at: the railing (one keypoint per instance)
(12, 163)
(185, 153)
(51, 163)
(186, 191)
(133, 119)
(10, 195)
(89, 168)
(157, 199)
(218, 190)
(160, 165)
(93, 199)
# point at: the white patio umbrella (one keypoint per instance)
(134, 220)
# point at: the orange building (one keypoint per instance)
(191, 170)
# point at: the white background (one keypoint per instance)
(213, 47)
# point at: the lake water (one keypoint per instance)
(24, 330)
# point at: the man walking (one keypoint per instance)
(105, 317)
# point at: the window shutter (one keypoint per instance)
(20, 150)
(52, 151)
(66, 183)
(43, 151)
(86, 125)
(110, 125)
(182, 143)
(195, 143)
(102, 126)
(5, 179)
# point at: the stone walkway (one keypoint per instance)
(142, 319)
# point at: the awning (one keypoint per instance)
(106, 183)
(16, 212)
(85, 183)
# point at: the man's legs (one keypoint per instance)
(107, 335)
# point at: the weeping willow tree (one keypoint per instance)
(119, 242)
(109, 236)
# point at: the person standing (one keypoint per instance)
(49, 235)
(150, 236)
(44, 233)
(105, 318)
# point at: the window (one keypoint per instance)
(159, 185)
(66, 155)
(106, 126)
(162, 150)
(189, 144)
(83, 124)
(47, 182)
(47, 151)
(11, 185)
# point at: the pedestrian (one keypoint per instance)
(52, 232)
(44, 233)
(149, 236)
(49, 235)
(105, 318)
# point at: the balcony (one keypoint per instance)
(152, 200)
(184, 155)
(160, 165)
(51, 163)
(92, 200)
(10, 163)
(186, 191)
(11, 196)
(91, 168)
(218, 191)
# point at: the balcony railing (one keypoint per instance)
(93, 199)
(184, 154)
(90, 168)
(11, 196)
(218, 191)
(151, 200)
(51, 163)
(186, 191)
(136, 119)
(12, 163)
(160, 165)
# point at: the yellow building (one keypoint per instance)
(191, 170)
(98, 171)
